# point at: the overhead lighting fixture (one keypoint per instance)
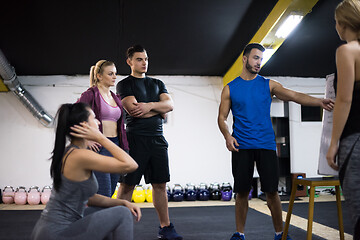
(288, 26)
(267, 55)
(281, 21)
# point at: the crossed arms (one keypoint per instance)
(150, 109)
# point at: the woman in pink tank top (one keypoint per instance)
(109, 111)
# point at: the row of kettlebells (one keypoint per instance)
(140, 194)
(177, 193)
(202, 192)
(20, 196)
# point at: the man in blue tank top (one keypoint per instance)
(253, 140)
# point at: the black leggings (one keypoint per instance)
(108, 223)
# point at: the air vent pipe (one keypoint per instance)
(8, 74)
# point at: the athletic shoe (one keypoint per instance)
(168, 233)
(278, 237)
(237, 236)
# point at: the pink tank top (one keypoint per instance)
(109, 112)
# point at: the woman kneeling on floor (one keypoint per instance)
(74, 183)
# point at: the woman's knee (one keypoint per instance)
(122, 211)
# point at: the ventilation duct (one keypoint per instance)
(8, 74)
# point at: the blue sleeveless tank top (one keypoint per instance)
(68, 204)
(250, 106)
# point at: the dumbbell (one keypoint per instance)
(226, 191)
(8, 195)
(33, 196)
(215, 193)
(139, 194)
(190, 192)
(177, 193)
(45, 194)
(20, 197)
(202, 192)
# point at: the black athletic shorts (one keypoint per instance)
(267, 166)
(151, 154)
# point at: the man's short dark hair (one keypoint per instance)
(133, 49)
(251, 46)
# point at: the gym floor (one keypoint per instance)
(319, 229)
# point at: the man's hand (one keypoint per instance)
(231, 144)
(327, 104)
(140, 109)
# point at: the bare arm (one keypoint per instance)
(224, 110)
(289, 95)
(103, 201)
(146, 110)
(345, 65)
(121, 162)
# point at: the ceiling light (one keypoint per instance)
(288, 26)
(267, 55)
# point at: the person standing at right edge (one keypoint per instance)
(345, 139)
(146, 101)
(253, 140)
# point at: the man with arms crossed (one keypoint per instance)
(146, 101)
(253, 140)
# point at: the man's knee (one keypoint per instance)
(271, 195)
(125, 188)
(242, 195)
(159, 187)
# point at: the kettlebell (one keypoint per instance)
(45, 194)
(203, 192)
(190, 192)
(8, 195)
(33, 196)
(116, 191)
(139, 194)
(215, 193)
(177, 193)
(250, 194)
(169, 195)
(148, 194)
(20, 196)
(226, 191)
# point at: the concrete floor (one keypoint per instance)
(255, 203)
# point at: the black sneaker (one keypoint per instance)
(168, 233)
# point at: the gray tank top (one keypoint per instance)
(67, 205)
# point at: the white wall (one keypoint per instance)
(304, 143)
(304, 136)
(196, 147)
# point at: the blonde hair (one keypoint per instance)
(98, 68)
(348, 13)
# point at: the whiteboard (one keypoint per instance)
(323, 167)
